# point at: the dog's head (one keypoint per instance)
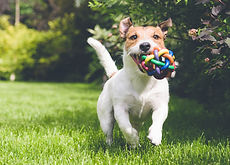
(142, 39)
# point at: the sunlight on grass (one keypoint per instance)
(48, 123)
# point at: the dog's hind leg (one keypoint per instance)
(106, 116)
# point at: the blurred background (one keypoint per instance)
(45, 40)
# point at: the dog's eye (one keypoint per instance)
(156, 37)
(133, 37)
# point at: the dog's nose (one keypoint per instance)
(145, 46)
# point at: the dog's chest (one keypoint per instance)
(139, 106)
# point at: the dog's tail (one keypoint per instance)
(104, 57)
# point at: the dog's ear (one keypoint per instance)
(124, 26)
(165, 25)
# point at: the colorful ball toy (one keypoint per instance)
(160, 63)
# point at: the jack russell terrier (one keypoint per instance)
(130, 95)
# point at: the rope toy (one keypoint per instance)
(160, 63)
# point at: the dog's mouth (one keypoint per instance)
(159, 64)
(137, 58)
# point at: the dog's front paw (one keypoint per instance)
(155, 137)
(109, 141)
(132, 137)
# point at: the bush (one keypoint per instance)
(53, 51)
(213, 54)
(17, 46)
(37, 55)
(58, 54)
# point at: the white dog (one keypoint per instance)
(130, 95)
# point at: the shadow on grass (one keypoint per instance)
(186, 121)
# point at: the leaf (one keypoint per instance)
(227, 12)
(178, 1)
(216, 51)
(91, 31)
(186, 2)
(221, 42)
(217, 9)
(227, 41)
(95, 4)
(205, 32)
(219, 63)
(206, 35)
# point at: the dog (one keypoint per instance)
(130, 96)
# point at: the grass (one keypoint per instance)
(56, 123)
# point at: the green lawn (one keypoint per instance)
(56, 123)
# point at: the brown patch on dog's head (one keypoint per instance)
(136, 34)
(133, 35)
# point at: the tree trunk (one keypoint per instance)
(17, 12)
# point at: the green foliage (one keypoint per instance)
(213, 54)
(4, 23)
(53, 50)
(31, 12)
(17, 46)
(178, 1)
(213, 35)
(30, 53)
(59, 52)
(37, 13)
